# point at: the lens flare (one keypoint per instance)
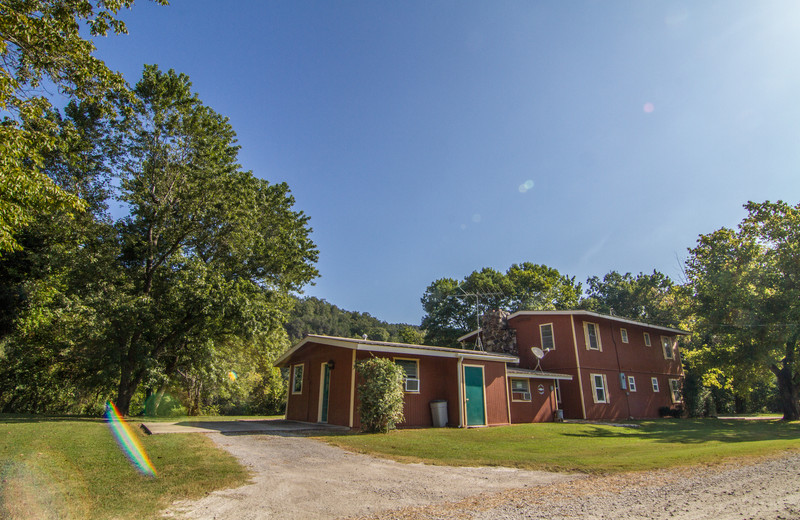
(232, 375)
(648, 108)
(128, 441)
(526, 186)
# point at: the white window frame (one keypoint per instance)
(526, 394)
(295, 368)
(647, 342)
(631, 384)
(668, 346)
(552, 346)
(624, 335)
(596, 335)
(654, 384)
(603, 387)
(675, 390)
(414, 381)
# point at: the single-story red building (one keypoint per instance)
(479, 387)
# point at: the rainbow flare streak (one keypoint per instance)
(128, 441)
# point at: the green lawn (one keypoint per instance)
(586, 448)
(71, 467)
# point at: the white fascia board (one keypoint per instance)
(456, 353)
(316, 339)
(601, 316)
(469, 334)
(540, 375)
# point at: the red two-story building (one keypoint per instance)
(620, 368)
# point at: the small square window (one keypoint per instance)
(646, 339)
(297, 379)
(520, 390)
(546, 333)
(654, 382)
(631, 383)
(411, 369)
(624, 334)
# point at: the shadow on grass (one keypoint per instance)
(30, 418)
(698, 431)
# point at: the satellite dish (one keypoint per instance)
(539, 353)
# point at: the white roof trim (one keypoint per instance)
(601, 316)
(518, 373)
(396, 348)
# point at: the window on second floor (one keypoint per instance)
(591, 331)
(624, 334)
(631, 383)
(654, 382)
(546, 333)
(669, 347)
(647, 339)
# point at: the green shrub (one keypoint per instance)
(380, 394)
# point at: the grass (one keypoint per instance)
(71, 467)
(588, 448)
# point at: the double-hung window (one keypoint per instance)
(297, 379)
(546, 333)
(646, 339)
(675, 389)
(669, 347)
(631, 383)
(654, 382)
(591, 332)
(520, 390)
(624, 334)
(411, 374)
(599, 386)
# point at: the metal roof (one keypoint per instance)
(396, 348)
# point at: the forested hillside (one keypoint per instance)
(312, 315)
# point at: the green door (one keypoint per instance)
(326, 386)
(473, 393)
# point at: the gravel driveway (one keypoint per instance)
(301, 478)
(298, 477)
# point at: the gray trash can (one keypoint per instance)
(439, 413)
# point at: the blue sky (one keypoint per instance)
(431, 139)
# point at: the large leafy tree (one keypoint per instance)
(204, 261)
(208, 250)
(452, 307)
(41, 46)
(746, 298)
(652, 298)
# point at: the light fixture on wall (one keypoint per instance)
(331, 364)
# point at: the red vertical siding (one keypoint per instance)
(632, 358)
(305, 406)
(540, 408)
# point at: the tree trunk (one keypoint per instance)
(788, 384)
